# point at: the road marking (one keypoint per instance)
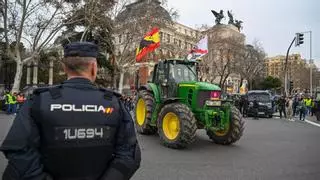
(313, 123)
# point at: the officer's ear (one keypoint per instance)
(94, 69)
(64, 67)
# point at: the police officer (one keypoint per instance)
(74, 130)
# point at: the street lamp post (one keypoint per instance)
(286, 69)
(311, 62)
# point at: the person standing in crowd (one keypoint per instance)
(308, 102)
(282, 106)
(245, 106)
(295, 105)
(290, 108)
(73, 131)
(313, 107)
(14, 103)
(302, 109)
(317, 109)
(256, 109)
(20, 100)
(10, 102)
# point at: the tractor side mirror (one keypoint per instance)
(164, 82)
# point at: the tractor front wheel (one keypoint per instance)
(143, 112)
(176, 125)
(232, 133)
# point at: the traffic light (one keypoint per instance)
(291, 86)
(299, 38)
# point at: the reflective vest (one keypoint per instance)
(7, 96)
(9, 99)
(308, 102)
(77, 134)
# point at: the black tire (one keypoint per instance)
(270, 116)
(187, 123)
(235, 130)
(145, 128)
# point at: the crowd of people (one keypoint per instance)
(11, 102)
(299, 106)
(129, 102)
(296, 106)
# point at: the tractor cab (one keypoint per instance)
(169, 74)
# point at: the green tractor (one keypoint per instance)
(175, 105)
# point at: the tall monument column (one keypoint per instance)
(51, 70)
(28, 74)
(35, 72)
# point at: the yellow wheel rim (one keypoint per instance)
(171, 125)
(141, 112)
(222, 132)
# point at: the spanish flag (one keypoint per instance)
(149, 43)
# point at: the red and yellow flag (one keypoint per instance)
(149, 43)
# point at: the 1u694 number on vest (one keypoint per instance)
(72, 133)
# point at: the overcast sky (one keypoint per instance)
(272, 22)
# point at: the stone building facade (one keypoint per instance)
(176, 41)
(298, 70)
(224, 44)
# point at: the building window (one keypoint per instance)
(168, 38)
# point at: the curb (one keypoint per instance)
(313, 123)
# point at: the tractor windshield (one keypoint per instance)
(183, 72)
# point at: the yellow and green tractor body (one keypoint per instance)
(202, 98)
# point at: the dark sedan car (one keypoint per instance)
(264, 100)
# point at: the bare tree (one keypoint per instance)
(131, 25)
(222, 60)
(33, 23)
(251, 64)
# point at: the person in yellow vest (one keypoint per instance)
(9, 102)
(313, 106)
(14, 103)
(308, 102)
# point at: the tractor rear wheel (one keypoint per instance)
(176, 125)
(233, 133)
(143, 112)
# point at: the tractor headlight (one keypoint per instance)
(213, 103)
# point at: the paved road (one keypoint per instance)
(270, 149)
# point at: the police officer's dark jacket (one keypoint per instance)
(76, 131)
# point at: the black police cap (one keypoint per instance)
(81, 49)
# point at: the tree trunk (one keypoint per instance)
(251, 84)
(121, 81)
(114, 80)
(18, 76)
